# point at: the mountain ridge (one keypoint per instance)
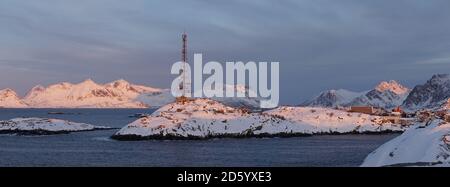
(116, 94)
(386, 94)
(85, 94)
(434, 93)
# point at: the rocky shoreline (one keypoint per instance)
(47, 132)
(241, 136)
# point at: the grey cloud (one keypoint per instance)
(321, 44)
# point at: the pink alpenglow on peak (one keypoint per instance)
(88, 94)
(392, 86)
(387, 94)
(9, 99)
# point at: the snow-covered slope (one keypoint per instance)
(88, 94)
(43, 126)
(387, 94)
(434, 93)
(9, 99)
(206, 118)
(424, 144)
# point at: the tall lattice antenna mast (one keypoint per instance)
(184, 51)
(186, 85)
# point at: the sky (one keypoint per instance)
(320, 44)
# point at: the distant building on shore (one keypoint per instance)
(447, 118)
(366, 110)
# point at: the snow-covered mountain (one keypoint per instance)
(206, 118)
(333, 98)
(117, 94)
(9, 99)
(88, 94)
(387, 94)
(433, 94)
(424, 144)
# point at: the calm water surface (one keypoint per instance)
(95, 148)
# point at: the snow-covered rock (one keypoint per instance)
(9, 99)
(387, 94)
(39, 126)
(424, 144)
(88, 94)
(433, 94)
(206, 118)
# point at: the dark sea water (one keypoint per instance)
(95, 148)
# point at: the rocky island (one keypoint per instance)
(206, 118)
(44, 126)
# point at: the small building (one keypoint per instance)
(441, 114)
(365, 109)
(392, 119)
(398, 118)
(447, 118)
(397, 109)
(425, 115)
